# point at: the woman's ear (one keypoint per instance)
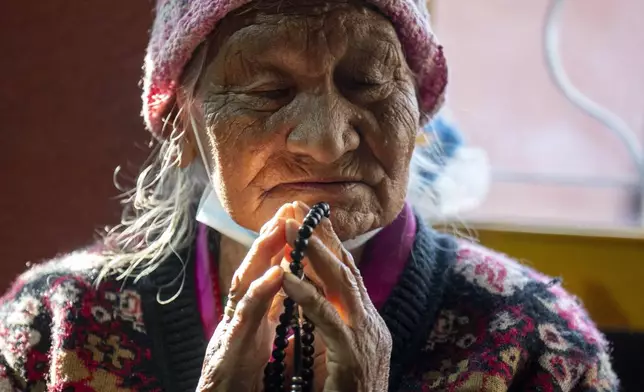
(422, 138)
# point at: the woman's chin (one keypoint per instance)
(348, 225)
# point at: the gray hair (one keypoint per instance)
(158, 216)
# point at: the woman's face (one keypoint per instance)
(313, 103)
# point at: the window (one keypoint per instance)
(551, 163)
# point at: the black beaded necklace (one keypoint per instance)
(302, 327)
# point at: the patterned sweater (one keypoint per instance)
(462, 318)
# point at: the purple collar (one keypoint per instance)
(383, 261)
(386, 254)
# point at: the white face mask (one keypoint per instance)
(212, 214)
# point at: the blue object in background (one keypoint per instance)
(445, 139)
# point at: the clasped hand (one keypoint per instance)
(352, 342)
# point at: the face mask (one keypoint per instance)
(212, 214)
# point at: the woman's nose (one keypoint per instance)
(326, 129)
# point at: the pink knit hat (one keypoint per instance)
(181, 25)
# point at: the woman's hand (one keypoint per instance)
(241, 345)
(357, 341)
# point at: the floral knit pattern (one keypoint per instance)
(59, 332)
(511, 328)
(499, 326)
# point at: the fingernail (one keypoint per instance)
(291, 231)
(290, 280)
(288, 211)
(273, 273)
(302, 207)
(275, 227)
(263, 229)
(279, 214)
(285, 264)
(267, 225)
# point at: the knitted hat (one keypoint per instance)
(181, 25)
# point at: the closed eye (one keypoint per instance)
(274, 94)
(366, 84)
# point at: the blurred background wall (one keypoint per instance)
(69, 114)
(553, 164)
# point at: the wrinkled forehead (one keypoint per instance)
(299, 8)
(264, 26)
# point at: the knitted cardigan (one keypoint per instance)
(461, 317)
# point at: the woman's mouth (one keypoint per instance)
(319, 186)
(329, 187)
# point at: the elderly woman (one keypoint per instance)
(263, 109)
